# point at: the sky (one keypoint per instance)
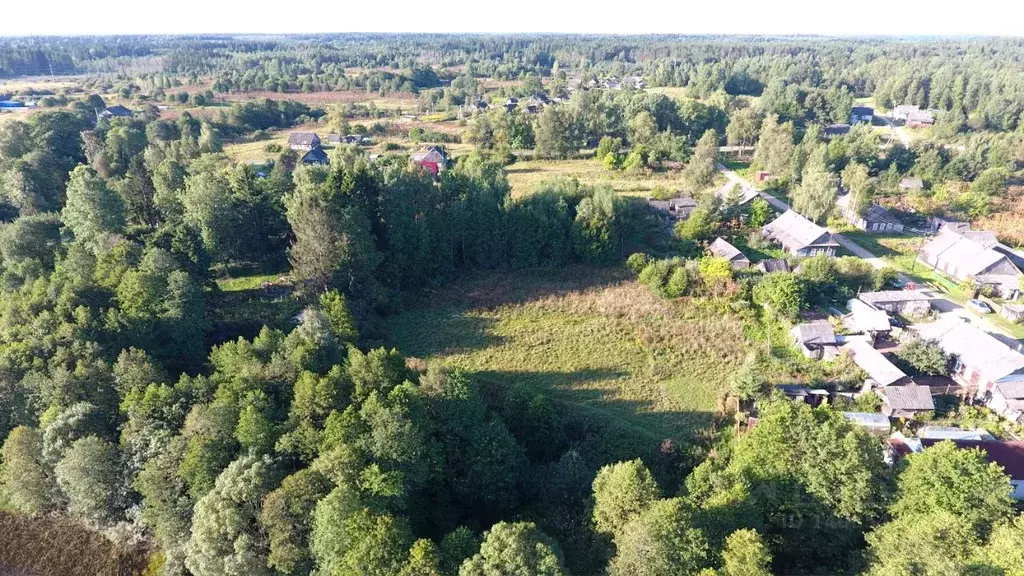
(856, 17)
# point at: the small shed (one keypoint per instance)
(679, 207)
(723, 249)
(816, 340)
(909, 302)
(1012, 312)
(905, 401)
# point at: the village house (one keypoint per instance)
(334, 139)
(799, 236)
(881, 372)
(861, 114)
(874, 219)
(1007, 400)
(865, 319)
(303, 141)
(982, 360)
(1012, 312)
(906, 302)
(905, 401)
(920, 119)
(1008, 455)
(679, 207)
(117, 111)
(816, 340)
(969, 255)
(432, 158)
(900, 113)
(723, 249)
(316, 156)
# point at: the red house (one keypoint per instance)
(433, 158)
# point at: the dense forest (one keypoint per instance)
(141, 406)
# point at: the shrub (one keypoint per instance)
(677, 284)
(637, 262)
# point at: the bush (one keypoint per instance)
(677, 284)
(273, 147)
(637, 262)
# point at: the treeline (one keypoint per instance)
(976, 82)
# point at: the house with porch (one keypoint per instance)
(874, 218)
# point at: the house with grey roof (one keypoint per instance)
(873, 219)
(799, 236)
(723, 249)
(817, 340)
(1007, 400)
(678, 208)
(969, 254)
(982, 360)
(906, 302)
(920, 119)
(861, 114)
(303, 141)
(901, 112)
(881, 372)
(905, 401)
(116, 111)
(865, 319)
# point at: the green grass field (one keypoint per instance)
(526, 174)
(593, 339)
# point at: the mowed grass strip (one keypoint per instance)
(593, 339)
(524, 175)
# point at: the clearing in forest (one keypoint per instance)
(593, 339)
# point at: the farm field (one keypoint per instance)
(593, 339)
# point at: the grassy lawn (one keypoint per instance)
(250, 299)
(593, 339)
(524, 176)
